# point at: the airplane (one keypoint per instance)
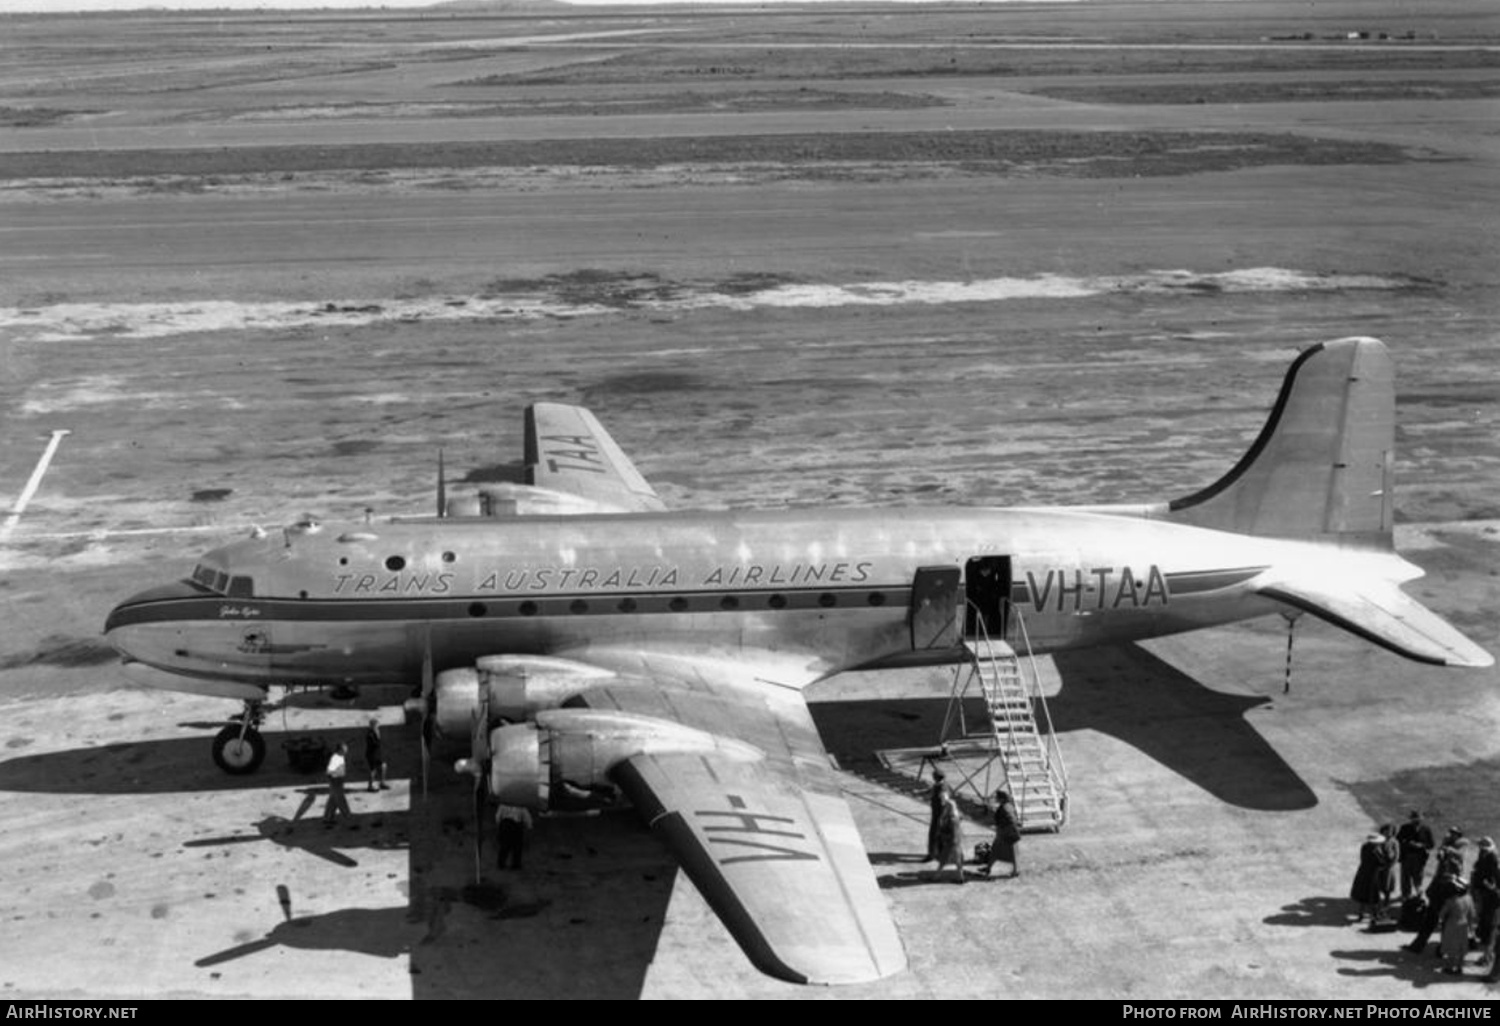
(594, 645)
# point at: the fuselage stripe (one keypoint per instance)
(476, 607)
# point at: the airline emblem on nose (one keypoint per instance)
(254, 642)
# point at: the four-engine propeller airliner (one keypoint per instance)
(598, 642)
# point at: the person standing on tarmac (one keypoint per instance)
(936, 796)
(1457, 922)
(1416, 840)
(1007, 834)
(1446, 884)
(338, 767)
(375, 755)
(1365, 890)
(1484, 885)
(511, 824)
(950, 838)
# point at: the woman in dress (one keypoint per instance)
(1365, 890)
(950, 838)
(1457, 922)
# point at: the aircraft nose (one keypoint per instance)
(145, 607)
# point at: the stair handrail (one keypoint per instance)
(982, 633)
(1054, 750)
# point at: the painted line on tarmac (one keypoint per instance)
(31, 485)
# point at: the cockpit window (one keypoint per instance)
(219, 582)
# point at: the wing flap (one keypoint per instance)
(568, 450)
(784, 868)
(1379, 611)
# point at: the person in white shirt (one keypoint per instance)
(338, 766)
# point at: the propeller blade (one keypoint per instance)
(480, 794)
(479, 756)
(429, 700)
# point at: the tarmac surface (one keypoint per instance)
(1213, 829)
(236, 347)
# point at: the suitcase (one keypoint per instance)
(1412, 912)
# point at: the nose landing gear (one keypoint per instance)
(238, 748)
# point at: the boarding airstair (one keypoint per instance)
(1016, 747)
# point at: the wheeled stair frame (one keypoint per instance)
(1016, 749)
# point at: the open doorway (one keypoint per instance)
(987, 589)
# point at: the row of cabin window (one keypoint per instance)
(678, 604)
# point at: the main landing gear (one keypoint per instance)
(238, 748)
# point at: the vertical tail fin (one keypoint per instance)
(1321, 468)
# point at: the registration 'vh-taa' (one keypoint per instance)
(588, 640)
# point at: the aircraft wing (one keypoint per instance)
(1379, 611)
(568, 450)
(769, 841)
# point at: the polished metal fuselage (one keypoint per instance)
(822, 591)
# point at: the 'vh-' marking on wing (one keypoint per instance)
(754, 827)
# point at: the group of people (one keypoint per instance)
(945, 839)
(337, 771)
(1464, 911)
(511, 823)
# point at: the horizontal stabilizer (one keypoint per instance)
(1378, 611)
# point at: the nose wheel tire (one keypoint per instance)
(236, 754)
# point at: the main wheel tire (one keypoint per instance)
(239, 755)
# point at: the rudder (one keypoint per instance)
(1321, 467)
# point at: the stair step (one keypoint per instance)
(1014, 737)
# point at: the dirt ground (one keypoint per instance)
(262, 265)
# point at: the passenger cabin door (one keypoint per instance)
(936, 610)
(987, 595)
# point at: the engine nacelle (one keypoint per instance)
(520, 686)
(545, 770)
(516, 687)
(564, 760)
(519, 772)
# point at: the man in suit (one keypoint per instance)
(1416, 840)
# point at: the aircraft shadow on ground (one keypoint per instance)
(382, 933)
(516, 935)
(583, 918)
(1123, 691)
(157, 767)
(1130, 694)
(306, 831)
